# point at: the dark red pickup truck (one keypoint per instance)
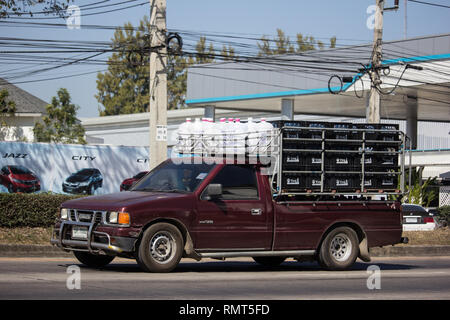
(220, 211)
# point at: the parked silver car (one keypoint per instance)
(416, 218)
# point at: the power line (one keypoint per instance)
(88, 14)
(431, 4)
(84, 7)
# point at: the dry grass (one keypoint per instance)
(25, 235)
(439, 236)
(42, 236)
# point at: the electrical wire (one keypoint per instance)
(430, 4)
(87, 14)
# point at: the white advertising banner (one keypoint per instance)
(70, 169)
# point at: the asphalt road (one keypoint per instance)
(240, 279)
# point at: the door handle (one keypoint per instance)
(256, 212)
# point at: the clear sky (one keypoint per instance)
(345, 19)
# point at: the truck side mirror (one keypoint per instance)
(213, 191)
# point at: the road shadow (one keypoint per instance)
(244, 266)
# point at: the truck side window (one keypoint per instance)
(238, 182)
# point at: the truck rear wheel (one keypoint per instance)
(269, 261)
(92, 260)
(339, 249)
(161, 248)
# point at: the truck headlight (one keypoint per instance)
(119, 218)
(64, 214)
(113, 217)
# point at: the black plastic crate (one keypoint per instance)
(340, 147)
(302, 161)
(303, 145)
(344, 131)
(380, 182)
(344, 182)
(369, 134)
(390, 136)
(378, 161)
(292, 161)
(340, 162)
(386, 148)
(312, 161)
(301, 129)
(301, 182)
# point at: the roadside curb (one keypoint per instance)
(410, 250)
(24, 250)
(21, 250)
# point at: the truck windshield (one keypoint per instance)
(172, 177)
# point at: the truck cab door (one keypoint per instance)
(237, 218)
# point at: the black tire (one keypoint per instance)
(92, 260)
(269, 261)
(10, 188)
(339, 249)
(91, 189)
(161, 248)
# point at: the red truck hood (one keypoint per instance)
(120, 200)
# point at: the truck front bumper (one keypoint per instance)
(96, 242)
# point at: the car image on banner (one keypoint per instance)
(86, 181)
(128, 183)
(53, 163)
(19, 179)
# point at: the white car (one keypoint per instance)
(416, 218)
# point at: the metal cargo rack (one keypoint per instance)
(357, 148)
(358, 142)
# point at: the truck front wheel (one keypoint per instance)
(161, 248)
(339, 249)
(91, 260)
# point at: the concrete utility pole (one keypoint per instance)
(405, 20)
(373, 108)
(158, 83)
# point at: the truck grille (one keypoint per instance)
(86, 216)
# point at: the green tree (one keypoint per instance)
(7, 110)
(333, 42)
(283, 45)
(227, 53)
(10, 8)
(7, 107)
(61, 124)
(176, 81)
(420, 192)
(124, 87)
(203, 55)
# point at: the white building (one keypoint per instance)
(29, 111)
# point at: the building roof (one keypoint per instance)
(25, 101)
(260, 84)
